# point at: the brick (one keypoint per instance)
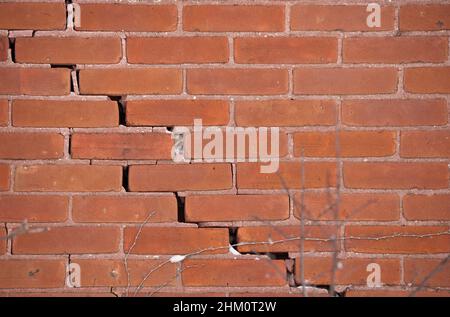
(32, 16)
(427, 207)
(287, 239)
(338, 18)
(349, 143)
(313, 292)
(429, 17)
(237, 81)
(394, 112)
(65, 113)
(17, 145)
(109, 272)
(394, 50)
(381, 175)
(344, 81)
(4, 177)
(233, 18)
(395, 293)
(34, 208)
(180, 177)
(200, 208)
(229, 272)
(285, 50)
(69, 240)
(82, 178)
(316, 175)
(4, 46)
(64, 294)
(427, 80)
(425, 144)
(126, 17)
(35, 81)
(427, 272)
(31, 273)
(126, 146)
(177, 112)
(129, 208)
(68, 50)
(397, 239)
(4, 112)
(348, 271)
(128, 81)
(175, 240)
(351, 206)
(285, 113)
(177, 50)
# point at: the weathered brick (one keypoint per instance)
(428, 17)
(18, 145)
(4, 46)
(177, 50)
(180, 177)
(427, 80)
(83, 178)
(31, 273)
(129, 208)
(425, 143)
(4, 177)
(175, 240)
(68, 50)
(126, 146)
(4, 112)
(32, 16)
(427, 207)
(427, 272)
(233, 18)
(236, 207)
(65, 113)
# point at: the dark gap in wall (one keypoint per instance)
(69, 66)
(121, 103)
(70, 144)
(278, 255)
(233, 235)
(12, 47)
(181, 205)
(125, 178)
(170, 129)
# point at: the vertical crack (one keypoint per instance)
(181, 208)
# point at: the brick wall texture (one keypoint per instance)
(92, 204)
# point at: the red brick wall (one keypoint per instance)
(90, 92)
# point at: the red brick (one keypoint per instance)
(4, 177)
(32, 273)
(394, 112)
(425, 143)
(397, 239)
(380, 175)
(313, 292)
(287, 239)
(285, 113)
(177, 50)
(285, 50)
(177, 112)
(34, 208)
(31, 145)
(65, 113)
(348, 271)
(109, 272)
(126, 17)
(344, 81)
(4, 46)
(125, 81)
(427, 207)
(427, 80)
(51, 293)
(82, 178)
(194, 293)
(351, 207)
(233, 18)
(237, 81)
(394, 50)
(316, 175)
(349, 143)
(175, 240)
(34, 81)
(125, 146)
(3, 244)
(338, 18)
(429, 17)
(395, 293)
(32, 16)
(228, 272)
(69, 240)
(236, 207)
(427, 272)
(68, 50)
(129, 208)
(4, 112)
(180, 177)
